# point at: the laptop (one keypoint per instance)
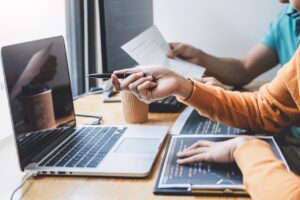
(48, 140)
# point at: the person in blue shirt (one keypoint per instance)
(278, 45)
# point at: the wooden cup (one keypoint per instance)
(134, 110)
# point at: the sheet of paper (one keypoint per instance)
(150, 48)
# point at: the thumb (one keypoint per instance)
(128, 70)
(176, 50)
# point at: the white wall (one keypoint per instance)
(22, 21)
(220, 27)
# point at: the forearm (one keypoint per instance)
(267, 110)
(263, 174)
(238, 72)
(229, 71)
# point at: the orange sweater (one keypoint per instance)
(275, 105)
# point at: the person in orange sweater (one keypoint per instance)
(274, 106)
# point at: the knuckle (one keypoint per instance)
(142, 93)
(149, 96)
(140, 87)
(134, 76)
(123, 87)
(207, 157)
(145, 101)
(194, 159)
(131, 86)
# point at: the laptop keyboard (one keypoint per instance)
(85, 148)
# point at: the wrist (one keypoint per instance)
(201, 57)
(185, 88)
(239, 141)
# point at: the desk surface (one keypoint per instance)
(82, 187)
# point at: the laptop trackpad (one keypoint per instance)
(138, 146)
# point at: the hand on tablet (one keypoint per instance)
(213, 152)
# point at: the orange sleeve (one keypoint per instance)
(264, 176)
(275, 105)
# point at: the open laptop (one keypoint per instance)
(47, 138)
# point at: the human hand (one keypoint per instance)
(212, 152)
(160, 83)
(185, 52)
(211, 81)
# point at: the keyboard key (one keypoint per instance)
(167, 105)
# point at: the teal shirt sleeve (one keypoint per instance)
(269, 38)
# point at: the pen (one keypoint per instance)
(108, 75)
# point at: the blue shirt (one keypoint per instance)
(283, 37)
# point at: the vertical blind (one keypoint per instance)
(82, 43)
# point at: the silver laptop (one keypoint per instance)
(47, 138)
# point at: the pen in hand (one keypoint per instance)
(108, 75)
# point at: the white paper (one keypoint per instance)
(150, 48)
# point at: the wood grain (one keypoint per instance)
(83, 187)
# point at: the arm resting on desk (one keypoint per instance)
(269, 109)
(265, 177)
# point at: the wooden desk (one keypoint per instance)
(82, 187)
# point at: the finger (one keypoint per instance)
(212, 80)
(206, 79)
(145, 101)
(145, 90)
(192, 159)
(209, 78)
(209, 83)
(178, 49)
(115, 82)
(199, 79)
(130, 79)
(191, 152)
(173, 44)
(128, 71)
(200, 143)
(133, 86)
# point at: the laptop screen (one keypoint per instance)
(40, 96)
